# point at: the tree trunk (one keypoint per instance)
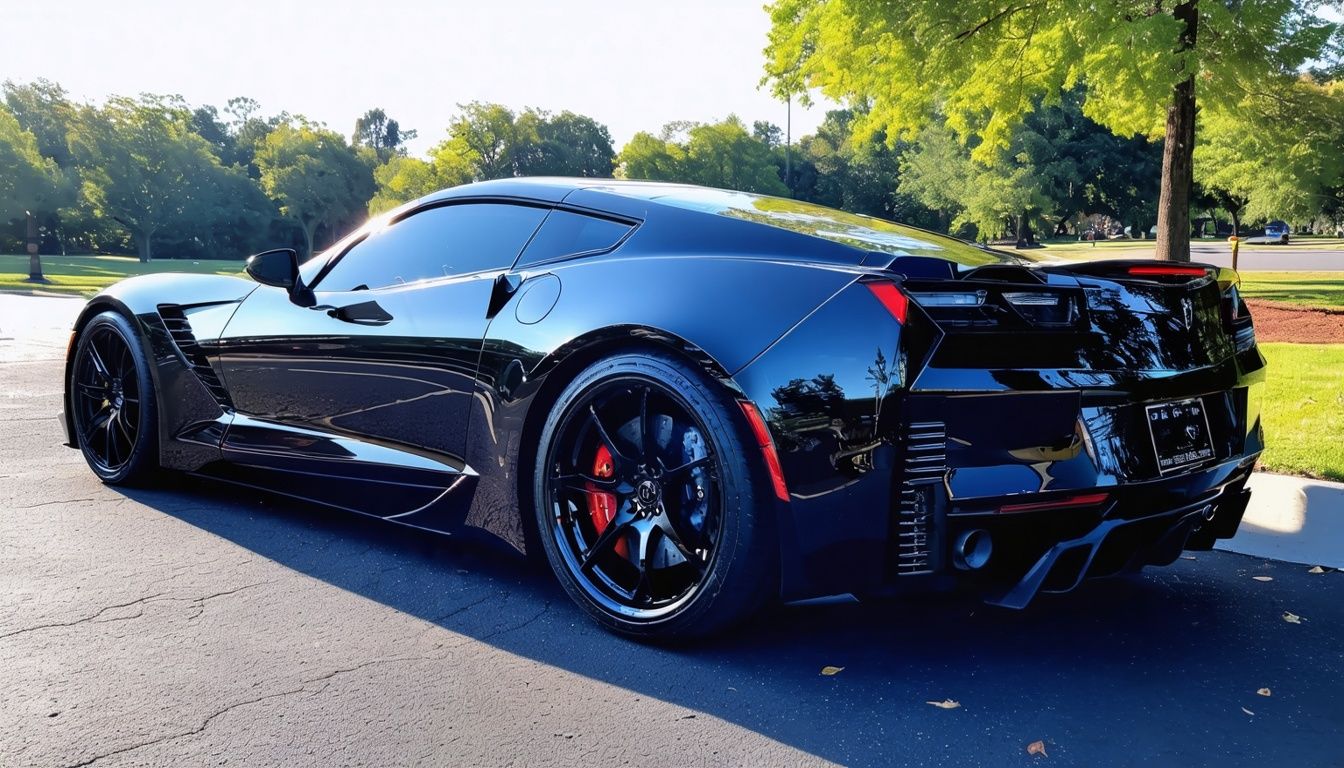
(1178, 151)
(1236, 222)
(308, 231)
(34, 260)
(143, 247)
(1025, 238)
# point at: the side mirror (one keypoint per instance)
(279, 268)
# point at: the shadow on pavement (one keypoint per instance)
(1148, 668)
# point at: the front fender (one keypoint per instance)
(201, 304)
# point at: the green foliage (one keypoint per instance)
(315, 176)
(722, 154)
(28, 181)
(1278, 157)
(144, 167)
(986, 63)
(981, 66)
(382, 134)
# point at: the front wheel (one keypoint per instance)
(645, 500)
(112, 401)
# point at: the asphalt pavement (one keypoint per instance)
(199, 624)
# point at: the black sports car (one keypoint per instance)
(695, 400)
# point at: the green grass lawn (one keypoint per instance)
(1313, 289)
(86, 275)
(1303, 410)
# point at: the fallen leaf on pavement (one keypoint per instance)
(1037, 748)
(1263, 578)
(945, 704)
(1316, 569)
(1292, 618)
(1263, 692)
(1187, 557)
(1247, 711)
(829, 671)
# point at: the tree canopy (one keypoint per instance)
(980, 66)
(317, 178)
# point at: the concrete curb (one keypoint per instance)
(1295, 519)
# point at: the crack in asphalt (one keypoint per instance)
(324, 679)
(459, 609)
(156, 597)
(57, 501)
(517, 627)
(91, 617)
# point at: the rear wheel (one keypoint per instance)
(112, 401)
(645, 502)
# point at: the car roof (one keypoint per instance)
(875, 241)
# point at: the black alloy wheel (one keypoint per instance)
(112, 401)
(644, 500)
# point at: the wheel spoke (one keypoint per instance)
(125, 435)
(673, 536)
(604, 436)
(92, 391)
(645, 528)
(579, 482)
(645, 438)
(703, 461)
(99, 367)
(604, 541)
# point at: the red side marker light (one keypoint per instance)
(762, 434)
(892, 298)
(1146, 271)
(1084, 500)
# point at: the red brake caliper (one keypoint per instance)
(602, 505)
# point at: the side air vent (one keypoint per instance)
(924, 467)
(175, 320)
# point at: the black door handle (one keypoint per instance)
(363, 313)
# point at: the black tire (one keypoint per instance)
(701, 536)
(113, 403)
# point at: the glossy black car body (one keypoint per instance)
(938, 410)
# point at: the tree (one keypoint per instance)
(315, 176)
(29, 183)
(143, 166)
(566, 144)
(985, 64)
(402, 179)
(382, 134)
(1275, 160)
(722, 154)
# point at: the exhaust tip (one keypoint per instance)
(972, 549)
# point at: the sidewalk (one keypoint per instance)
(1293, 519)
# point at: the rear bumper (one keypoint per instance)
(1119, 545)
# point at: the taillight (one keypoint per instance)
(767, 446)
(892, 298)
(1082, 500)
(1167, 271)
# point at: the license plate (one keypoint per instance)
(1180, 432)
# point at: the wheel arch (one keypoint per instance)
(563, 365)
(99, 304)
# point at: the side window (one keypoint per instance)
(565, 234)
(438, 242)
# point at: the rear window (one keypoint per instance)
(565, 233)
(865, 233)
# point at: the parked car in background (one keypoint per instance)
(1276, 232)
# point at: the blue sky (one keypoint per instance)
(632, 65)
